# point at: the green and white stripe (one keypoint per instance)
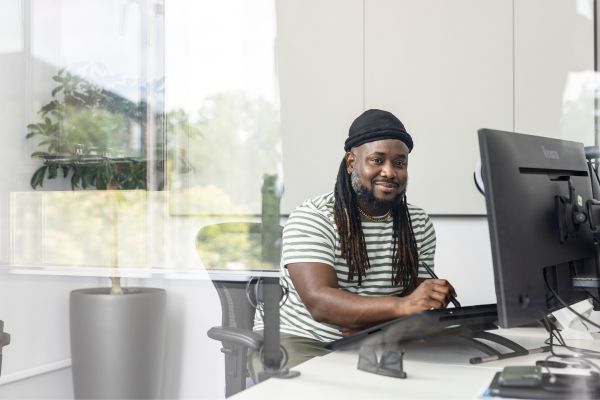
(310, 235)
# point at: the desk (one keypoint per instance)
(450, 376)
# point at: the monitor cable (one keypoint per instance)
(554, 332)
(254, 288)
(561, 301)
(578, 358)
(593, 297)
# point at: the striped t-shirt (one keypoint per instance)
(310, 235)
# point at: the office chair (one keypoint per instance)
(4, 340)
(252, 245)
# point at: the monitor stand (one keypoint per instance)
(390, 363)
(474, 339)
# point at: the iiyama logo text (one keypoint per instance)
(553, 154)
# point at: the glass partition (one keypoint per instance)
(223, 105)
(138, 123)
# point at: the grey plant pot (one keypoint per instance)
(117, 343)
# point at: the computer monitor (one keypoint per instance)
(537, 192)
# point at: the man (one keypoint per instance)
(351, 258)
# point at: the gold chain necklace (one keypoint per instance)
(382, 218)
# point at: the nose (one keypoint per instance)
(387, 170)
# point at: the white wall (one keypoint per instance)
(36, 364)
(445, 68)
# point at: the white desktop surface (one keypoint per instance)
(450, 376)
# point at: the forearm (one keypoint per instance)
(338, 307)
(317, 287)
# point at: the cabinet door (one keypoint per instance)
(554, 64)
(445, 69)
(320, 60)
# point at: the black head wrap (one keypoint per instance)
(373, 125)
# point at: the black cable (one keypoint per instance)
(253, 298)
(565, 304)
(252, 294)
(577, 361)
(547, 341)
(579, 353)
(596, 299)
(285, 289)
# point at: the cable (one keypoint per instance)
(565, 304)
(596, 299)
(253, 289)
(576, 361)
(251, 297)
(554, 332)
(285, 291)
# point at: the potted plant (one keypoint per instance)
(117, 334)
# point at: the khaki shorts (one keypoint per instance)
(299, 349)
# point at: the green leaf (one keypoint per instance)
(75, 178)
(101, 183)
(57, 89)
(38, 177)
(46, 142)
(40, 154)
(35, 129)
(53, 105)
(52, 171)
(87, 177)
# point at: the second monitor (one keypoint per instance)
(539, 204)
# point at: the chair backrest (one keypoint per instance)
(238, 246)
(236, 310)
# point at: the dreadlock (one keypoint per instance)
(405, 255)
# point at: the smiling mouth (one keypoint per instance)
(387, 185)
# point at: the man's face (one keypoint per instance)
(379, 173)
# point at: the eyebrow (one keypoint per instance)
(380, 154)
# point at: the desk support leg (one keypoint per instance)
(271, 353)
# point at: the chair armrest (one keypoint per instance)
(240, 336)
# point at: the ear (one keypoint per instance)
(350, 160)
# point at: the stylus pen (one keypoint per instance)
(434, 276)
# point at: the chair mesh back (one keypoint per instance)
(237, 312)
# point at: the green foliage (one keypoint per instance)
(233, 245)
(78, 131)
(231, 143)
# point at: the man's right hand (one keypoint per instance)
(431, 293)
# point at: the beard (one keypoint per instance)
(366, 196)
